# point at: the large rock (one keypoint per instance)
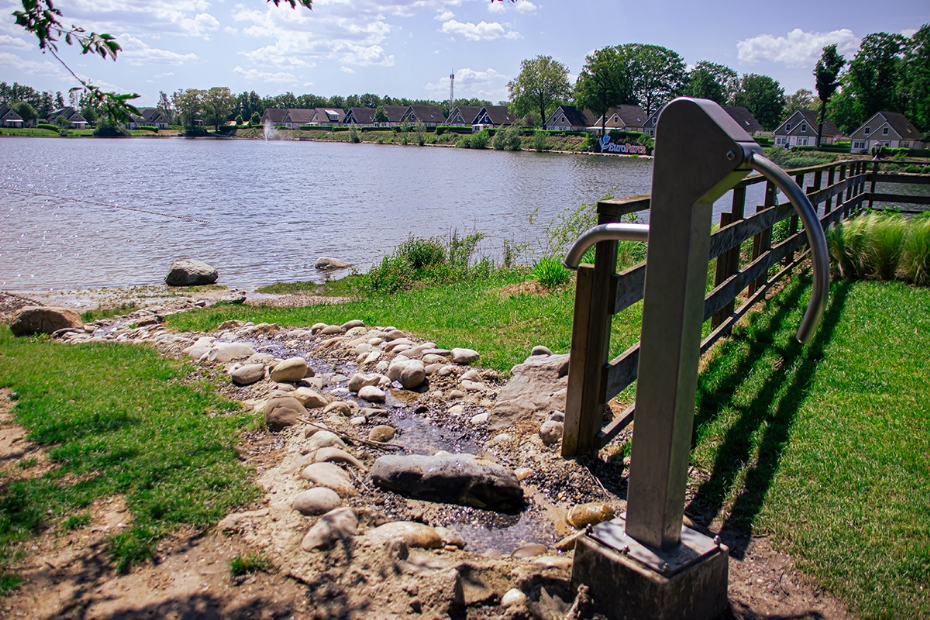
(248, 374)
(326, 263)
(189, 272)
(330, 476)
(409, 373)
(453, 479)
(282, 412)
(332, 527)
(310, 399)
(316, 501)
(290, 370)
(537, 385)
(228, 351)
(360, 380)
(464, 356)
(30, 320)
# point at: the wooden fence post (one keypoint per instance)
(587, 368)
(872, 186)
(728, 262)
(827, 206)
(762, 242)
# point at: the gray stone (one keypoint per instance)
(283, 412)
(316, 501)
(310, 399)
(551, 432)
(290, 370)
(340, 406)
(328, 263)
(536, 385)
(248, 374)
(359, 380)
(414, 535)
(393, 334)
(353, 323)
(464, 356)
(331, 329)
(530, 550)
(332, 527)
(456, 479)
(228, 351)
(413, 374)
(381, 433)
(481, 418)
(372, 394)
(189, 272)
(335, 455)
(30, 320)
(330, 476)
(540, 350)
(470, 375)
(324, 439)
(513, 598)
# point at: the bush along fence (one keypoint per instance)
(838, 190)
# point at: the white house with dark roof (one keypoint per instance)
(570, 118)
(463, 115)
(9, 117)
(74, 118)
(890, 129)
(625, 118)
(494, 116)
(362, 117)
(800, 129)
(429, 115)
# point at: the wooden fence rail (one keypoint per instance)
(601, 292)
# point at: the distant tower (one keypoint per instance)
(452, 90)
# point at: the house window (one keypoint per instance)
(802, 141)
(884, 131)
(788, 127)
(803, 127)
(868, 130)
(906, 144)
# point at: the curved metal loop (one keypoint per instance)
(604, 232)
(815, 237)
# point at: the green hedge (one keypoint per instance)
(826, 148)
(463, 129)
(763, 141)
(54, 128)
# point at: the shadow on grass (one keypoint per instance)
(772, 411)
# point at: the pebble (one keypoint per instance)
(456, 410)
(540, 350)
(316, 501)
(223, 352)
(456, 394)
(359, 380)
(481, 418)
(381, 433)
(338, 406)
(330, 476)
(413, 534)
(282, 412)
(464, 356)
(472, 386)
(317, 327)
(324, 439)
(358, 420)
(522, 473)
(248, 374)
(589, 514)
(353, 324)
(446, 370)
(290, 370)
(513, 598)
(471, 375)
(331, 329)
(336, 455)
(530, 550)
(310, 399)
(332, 527)
(372, 394)
(551, 432)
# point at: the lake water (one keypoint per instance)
(263, 212)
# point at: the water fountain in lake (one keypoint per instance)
(269, 131)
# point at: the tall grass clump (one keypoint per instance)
(882, 247)
(507, 139)
(550, 272)
(428, 261)
(477, 140)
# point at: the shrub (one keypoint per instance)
(550, 272)
(539, 142)
(47, 126)
(255, 119)
(353, 135)
(508, 139)
(914, 264)
(420, 129)
(239, 120)
(882, 246)
(428, 260)
(105, 129)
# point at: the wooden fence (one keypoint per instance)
(838, 190)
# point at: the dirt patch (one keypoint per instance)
(530, 287)
(19, 457)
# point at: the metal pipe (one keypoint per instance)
(818, 242)
(604, 232)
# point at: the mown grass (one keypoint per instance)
(117, 421)
(349, 286)
(502, 326)
(105, 313)
(249, 564)
(825, 447)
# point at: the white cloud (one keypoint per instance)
(255, 74)
(346, 70)
(13, 42)
(161, 75)
(32, 67)
(525, 6)
(797, 49)
(482, 31)
(231, 30)
(199, 25)
(308, 83)
(138, 52)
(445, 16)
(522, 6)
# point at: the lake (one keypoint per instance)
(263, 212)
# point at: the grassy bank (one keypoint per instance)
(117, 421)
(825, 447)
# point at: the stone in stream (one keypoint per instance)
(316, 501)
(381, 433)
(282, 412)
(359, 380)
(223, 352)
(332, 527)
(530, 550)
(290, 370)
(328, 263)
(372, 394)
(450, 538)
(537, 385)
(310, 398)
(189, 272)
(408, 372)
(330, 476)
(551, 432)
(452, 479)
(415, 535)
(589, 514)
(30, 320)
(464, 356)
(248, 374)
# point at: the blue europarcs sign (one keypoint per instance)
(631, 149)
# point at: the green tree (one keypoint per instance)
(189, 104)
(763, 97)
(917, 78)
(708, 80)
(827, 78)
(380, 115)
(542, 83)
(420, 130)
(164, 105)
(657, 73)
(801, 99)
(89, 114)
(844, 109)
(604, 82)
(256, 119)
(25, 110)
(239, 120)
(875, 73)
(217, 106)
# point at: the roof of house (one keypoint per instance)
(275, 115)
(9, 113)
(468, 113)
(138, 120)
(746, 120)
(329, 115)
(654, 117)
(810, 117)
(427, 113)
(629, 115)
(362, 116)
(301, 116)
(395, 113)
(500, 114)
(69, 113)
(574, 116)
(904, 127)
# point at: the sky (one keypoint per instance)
(408, 48)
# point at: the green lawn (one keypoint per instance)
(827, 447)
(28, 131)
(117, 420)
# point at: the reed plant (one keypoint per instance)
(883, 247)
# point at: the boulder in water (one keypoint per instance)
(328, 263)
(189, 272)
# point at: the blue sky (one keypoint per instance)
(409, 47)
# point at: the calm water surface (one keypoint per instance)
(270, 209)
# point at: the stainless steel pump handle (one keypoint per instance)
(815, 237)
(604, 232)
